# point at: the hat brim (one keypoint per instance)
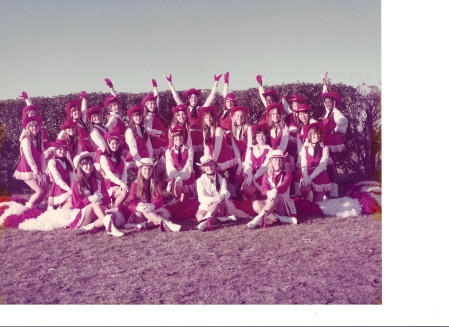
(207, 161)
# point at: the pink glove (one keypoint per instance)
(109, 83)
(259, 79)
(82, 94)
(24, 95)
(153, 81)
(226, 77)
(168, 78)
(217, 78)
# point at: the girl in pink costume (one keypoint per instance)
(90, 198)
(229, 101)
(113, 165)
(71, 136)
(180, 118)
(276, 186)
(60, 170)
(95, 116)
(31, 168)
(268, 98)
(137, 138)
(314, 156)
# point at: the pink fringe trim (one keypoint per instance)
(321, 187)
(227, 164)
(337, 148)
(24, 176)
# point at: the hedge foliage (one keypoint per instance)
(352, 162)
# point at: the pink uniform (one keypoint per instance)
(31, 160)
(115, 173)
(116, 125)
(256, 164)
(134, 201)
(281, 181)
(196, 131)
(60, 176)
(219, 150)
(97, 136)
(320, 182)
(332, 126)
(179, 162)
(160, 142)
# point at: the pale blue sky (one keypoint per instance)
(51, 47)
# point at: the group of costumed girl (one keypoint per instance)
(210, 156)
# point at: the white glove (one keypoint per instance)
(141, 207)
(305, 180)
(150, 207)
(178, 181)
(94, 198)
(249, 180)
(271, 194)
(124, 187)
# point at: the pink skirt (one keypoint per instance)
(188, 185)
(320, 183)
(197, 140)
(57, 195)
(334, 142)
(159, 145)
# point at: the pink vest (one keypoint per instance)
(119, 128)
(65, 173)
(184, 156)
(312, 162)
(276, 141)
(117, 170)
(257, 162)
(23, 165)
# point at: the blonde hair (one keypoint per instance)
(284, 167)
(155, 186)
(281, 122)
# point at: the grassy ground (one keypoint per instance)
(320, 261)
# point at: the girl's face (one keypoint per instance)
(147, 171)
(277, 163)
(31, 112)
(193, 100)
(178, 140)
(70, 130)
(137, 118)
(181, 117)
(114, 108)
(96, 118)
(304, 116)
(114, 145)
(315, 137)
(229, 104)
(261, 138)
(329, 103)
(269, 99)
(61, 152)
(75, 112)
(239, 118)
(209, 168)
(275, 116)
(33, 127)
(151, 105)
(209, 120)
(87, 166)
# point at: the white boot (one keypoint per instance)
(110, 227)
(227, 218)
(257, 221)
(171, 226)
(141, 225)
(286, 219)
(334, 190)
(84, 229)
(202, 225)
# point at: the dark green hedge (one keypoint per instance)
(53, 114)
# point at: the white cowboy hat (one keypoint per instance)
(81, 156)
(148, 162)
(205, 159)
(277, 154)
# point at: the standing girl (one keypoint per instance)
(278, 130)
(180, 118)
(179, 161)
(146, 197)
(334, 123)
(276, 186)
(31, 168)
(256, 161)
(212, 195)
(268, 98)
(95, 116)
(61, 174)
(112, 163)
(90, 198)
(137, 138)
(225, 120)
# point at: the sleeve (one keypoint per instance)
(112, 121)
(225, 93)
(235, 149)
(249, 136)
(57, 176)
(263, 169)
(287, 108)
(156, 94)
(132, 144)
(186, 172)
(149, 126)
(98, 139)
(104, 191)
(133, 200)
(202, 195)
(174, 93)
(83, 109)
(78, 201)
(341, 121)
(261, 90)
(323, 163)
(211, 96)
(265, 184)
(247, 165)
(303, 157)
(108, 172)
(61, 135)
(286, 182)
(171, 171)
(218, 142)
(26, 147)
(125, 173)
(224, 189)
(22, 135)
(284, 139)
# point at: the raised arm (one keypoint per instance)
(211, 96)
(156, 92)
(172, 89)
(82, 95)
(111, 86)
(26, 148)
(261, 89)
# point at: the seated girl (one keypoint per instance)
(145, 198)
(90, 198)
(212, 194)
(112, 164)
(276, 186)
(61, 174)
(314, 156)
(179, 163)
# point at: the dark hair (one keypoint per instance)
(142, 126)
(265, 132)
(117, 155)
(86, 182)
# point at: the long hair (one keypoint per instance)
(209, 130)
(37, 137)
(317, 148)
(72, 140)
(261, 131)
(194, 111)
(284, 168)
(142, 187)
(85, 182)
(234, 127)
(281, 122)
(175, 120)
(142, 126)
(117, 155)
